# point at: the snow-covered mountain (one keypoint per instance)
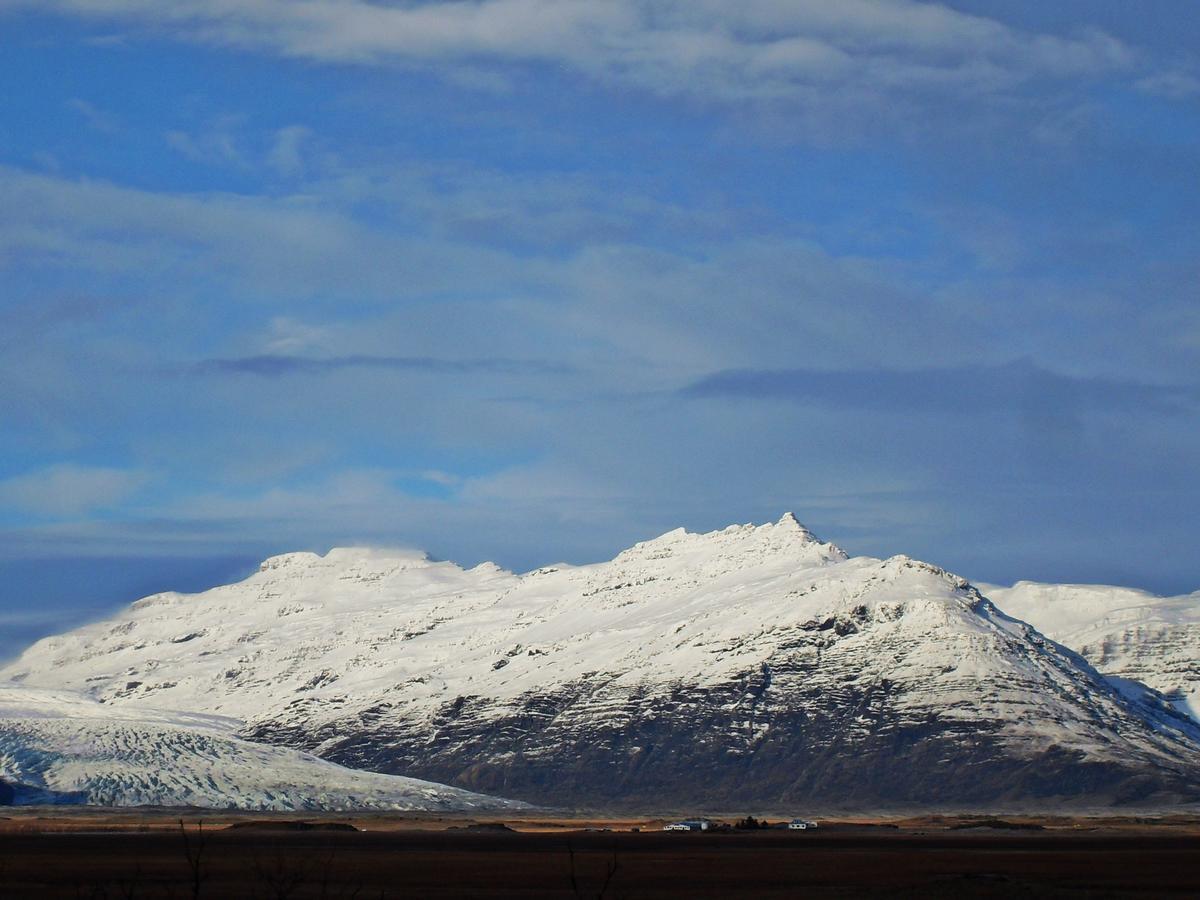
(60, 747)
(749, 665)
(1122, 632)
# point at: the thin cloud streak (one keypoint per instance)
(69, 489)
(278, 365)
(1018, 387)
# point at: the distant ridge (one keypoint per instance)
(1123, 632)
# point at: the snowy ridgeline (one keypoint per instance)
(359, 623)
(58, 747)
(751, 662)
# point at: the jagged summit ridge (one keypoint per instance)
(786, 534)
(753, 663)
(750, 543)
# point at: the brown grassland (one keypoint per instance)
(57, 853)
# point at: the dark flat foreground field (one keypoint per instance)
(557, 862)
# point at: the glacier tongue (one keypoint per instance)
(750, 664)
(58, 747)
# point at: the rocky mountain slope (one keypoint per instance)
(1122, 632)
(58, 747)
(749, 665)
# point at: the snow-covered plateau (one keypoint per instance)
(755, 664)
(61, 747)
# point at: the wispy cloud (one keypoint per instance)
(277, 365)
(286, 156)
(215, 144)
(443, 227)
(960, 390)
(807, 51)
(94, 116)
(66, 490)
(1175, 84)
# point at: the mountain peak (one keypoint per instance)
(789, 522)
(797, 531)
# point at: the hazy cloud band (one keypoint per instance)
(960, 390)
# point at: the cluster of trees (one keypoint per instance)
(750, 823)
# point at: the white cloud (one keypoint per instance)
(93, 115)
(803, 50)
(67, 490)
(276, 245)
(1175, 85)
(213, 145)
(286, 156)
(287, 335)
(646, 312)
(448, 230)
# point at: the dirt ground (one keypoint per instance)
(112, 854)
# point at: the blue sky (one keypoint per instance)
(530, 281)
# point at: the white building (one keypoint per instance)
(688, 825)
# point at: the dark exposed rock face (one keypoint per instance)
(670, 768)
(16, 794)
(765, 740)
